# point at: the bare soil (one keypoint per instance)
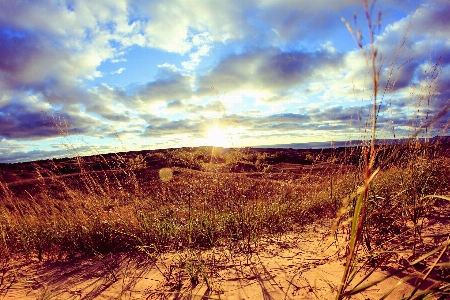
(301, 265)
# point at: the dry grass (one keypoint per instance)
(388, 212)
(192, 200)
(135, 208)
(55, 217)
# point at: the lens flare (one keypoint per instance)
(217, 137)
(165, 174)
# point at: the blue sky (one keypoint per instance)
(107, 76)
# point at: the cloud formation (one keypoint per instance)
(273, 69)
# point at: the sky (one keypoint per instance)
(89, 77)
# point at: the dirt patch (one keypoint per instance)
(301, 265)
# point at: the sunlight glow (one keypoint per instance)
(218, 137)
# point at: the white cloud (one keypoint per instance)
(328, 46)
(262, 64)
(117, 60)
(119, 71)
(202, 42)
(170, 67)
(172, 22)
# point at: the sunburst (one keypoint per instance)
(217, 137)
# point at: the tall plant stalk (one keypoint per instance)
(359, 213)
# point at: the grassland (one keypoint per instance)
(358, 222)
(151, 203)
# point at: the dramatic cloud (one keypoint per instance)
(163, 73)
(25, 119)
(165, 89)
(268, 70)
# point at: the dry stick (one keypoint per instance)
(375, 87)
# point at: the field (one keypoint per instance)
(370, 221)
(213, 223)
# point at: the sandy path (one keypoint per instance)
(293, 266)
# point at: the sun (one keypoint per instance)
(218, 137)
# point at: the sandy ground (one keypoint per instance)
(294, 266)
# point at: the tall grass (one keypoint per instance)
(388, 211)
(129, 208)
(130, 205)
(194, 199)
